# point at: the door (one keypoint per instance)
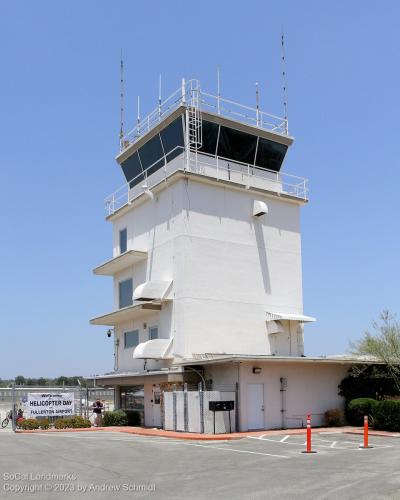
(255, 406)
(156, 404)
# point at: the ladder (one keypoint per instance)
(194, 121)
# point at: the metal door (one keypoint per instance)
(255, 406)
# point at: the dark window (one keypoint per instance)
(172, 136)
(123, 241)
(131, 339)
(153, 332)
(237, 146)
(125, 293)
(131, 168)
(151, 152)
(132, 398)
(270, 154)
(210, 137)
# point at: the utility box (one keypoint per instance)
(221, 405)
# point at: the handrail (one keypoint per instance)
(182, 97)
(220, 168)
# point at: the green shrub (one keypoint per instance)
(44, 423)
(29, 424)
(62, 423)
(76, 422)
(386, 416)
(115, 418)
(334, 418)
(359, 407)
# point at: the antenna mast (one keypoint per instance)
(257, 105)
(121, 130)
(284, 89)
(138, 116)
(218, 90)
(159, 98)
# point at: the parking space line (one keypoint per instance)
(145, 439)
(284, 439)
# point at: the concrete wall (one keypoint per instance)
(311, 388)
(228, 267)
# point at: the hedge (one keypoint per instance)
(76, 422)
(387, 416)
(359, 407)
(115, 418)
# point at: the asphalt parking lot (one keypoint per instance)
(115, 465)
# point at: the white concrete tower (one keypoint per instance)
(207, 241)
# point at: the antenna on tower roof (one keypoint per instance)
(121, 130)
(284, 89)
(159, 97)
(218, 90)
(138, 116)
(257, 105)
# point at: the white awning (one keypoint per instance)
(290, 317)
(153, 349)
(120, 262)
(151, 290)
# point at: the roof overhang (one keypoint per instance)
(125, 314)
(153, 349)
(121, 262)
(151, 290)
(301, 318)
(206, 359)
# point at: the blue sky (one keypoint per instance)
(59, 122)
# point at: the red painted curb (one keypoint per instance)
(140, 431)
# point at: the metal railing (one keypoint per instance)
(217, 167)
(189, 92)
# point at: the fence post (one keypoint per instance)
(185, 408)
(237, 407)
(14, 409)
(201, 402)
(174, 407)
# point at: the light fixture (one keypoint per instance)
(256, 370)
(109, 333)
(259, 208)
(147, 191)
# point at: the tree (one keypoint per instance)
(20, 380)
(383, 345)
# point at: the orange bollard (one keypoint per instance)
(308, 443)
(365, 445)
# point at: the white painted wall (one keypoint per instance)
(228, 267)
(311, 388)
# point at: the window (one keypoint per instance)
(125, 293)
(132, 169)
(171, 137)
(132, 398)
(153, 332)
(123, 241)
(237, 145)
(131, 339)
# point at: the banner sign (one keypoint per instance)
(50, 404)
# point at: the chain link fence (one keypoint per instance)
(188, 409)
(14, 401)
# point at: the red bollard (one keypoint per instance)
(365, 445)
(308, 444)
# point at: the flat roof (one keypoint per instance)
(228, 358)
